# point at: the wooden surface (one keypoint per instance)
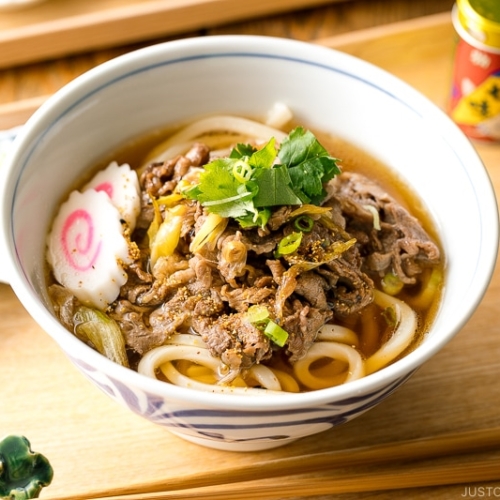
(60, 27)
(46, 74)
(93, 444)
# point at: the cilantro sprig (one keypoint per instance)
(247, 184)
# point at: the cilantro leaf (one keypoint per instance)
(264, 158)
(274, 188)
(299, 146)
(242, 150)
(219, 190)
(310, 165)
(307, 180)
(249, 182)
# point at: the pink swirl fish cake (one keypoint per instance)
(121, 184)
(88, 248)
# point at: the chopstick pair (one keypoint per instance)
(411, 475)
(429, 475)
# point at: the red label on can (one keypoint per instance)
(475, 97)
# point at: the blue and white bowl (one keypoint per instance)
(245, 75)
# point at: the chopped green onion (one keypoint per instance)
(276, 333)
(242, 171)
(289, 244)
(391, 284)
(257, 314)
(304, 223)
(390, 314)
(252, 220)
(259, 317)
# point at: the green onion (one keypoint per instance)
(259, 317)
(276, 333)
(257, 314)
(391, 316)
(102, 332)
(391, 284)
(258, 219)
(303, 223)
(242, 171)
(289, 244)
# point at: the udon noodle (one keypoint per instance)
(243, 272)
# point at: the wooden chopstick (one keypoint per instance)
(374, 455)
(362, 481)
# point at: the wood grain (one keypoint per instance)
(42, 74)
(95, 445)
(424, 40)
(61, 27)
(325, 472)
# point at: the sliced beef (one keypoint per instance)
(353, 290)
(134, 322)
(261, 244)
(65, 304)
(170, 273)
(159, 179)
(232, 257)
(302, 325)
(240, 299)
(400, 246)
(237, 342)
(313, 287)
(279, 217)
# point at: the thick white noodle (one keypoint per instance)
(265, 377)
(186, 339)
(405, 332)
(162, 356)
(337, 333)
(183, 140)
(177, 378)
(159, 355)
(335, 351)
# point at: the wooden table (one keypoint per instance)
(93, 444)
(43, 48)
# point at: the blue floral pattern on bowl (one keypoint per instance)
(223, 428)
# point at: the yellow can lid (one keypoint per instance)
(481, 18)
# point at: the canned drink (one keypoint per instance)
(475, 95)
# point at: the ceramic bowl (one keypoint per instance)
(245, 75)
